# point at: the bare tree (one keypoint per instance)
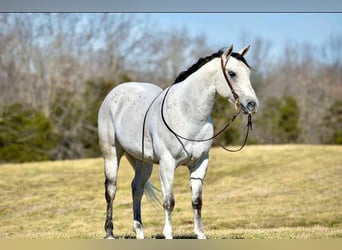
(332, 50)
(47, 59)
(301, 73)
(168, 53)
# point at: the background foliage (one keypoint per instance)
(55, 70)
(26, 135)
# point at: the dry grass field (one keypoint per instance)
(272, 192)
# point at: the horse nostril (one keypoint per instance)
(251, 105)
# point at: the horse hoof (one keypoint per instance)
(140, 236)
(168, 237)
(109, 237)
(138, 229)
(201, 237)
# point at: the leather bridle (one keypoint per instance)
(235, 95)
(179, 137)
(237, 113)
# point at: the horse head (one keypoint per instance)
(236, 85)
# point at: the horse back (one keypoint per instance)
(122, 113)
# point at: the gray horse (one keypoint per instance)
(186, 109)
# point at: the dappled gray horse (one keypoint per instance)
(132, 111)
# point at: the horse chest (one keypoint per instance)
(193, 152)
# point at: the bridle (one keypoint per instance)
(235, 95)
(237, 108)
(179, 137)
(237, 113)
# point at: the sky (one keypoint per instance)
(223, 29)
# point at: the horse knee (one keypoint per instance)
(169, 204)
(196, 188)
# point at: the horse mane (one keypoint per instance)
(203, 60)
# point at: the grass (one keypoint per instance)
(263, 192)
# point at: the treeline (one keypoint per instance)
(55, 70)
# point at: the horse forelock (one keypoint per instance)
(240, 58)
(202, 61)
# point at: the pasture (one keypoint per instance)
(272, 192)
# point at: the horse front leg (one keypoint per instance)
(197, 174)
(167, 171)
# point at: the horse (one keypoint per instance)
(135, 110)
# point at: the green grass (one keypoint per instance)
(272, 192)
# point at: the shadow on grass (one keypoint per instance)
(179, 237)
(158, 237)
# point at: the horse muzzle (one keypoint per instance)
(250, 107)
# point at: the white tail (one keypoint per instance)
(151, 195)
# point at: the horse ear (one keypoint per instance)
(244, 50)
(228, 51)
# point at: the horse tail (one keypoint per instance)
(151, 193)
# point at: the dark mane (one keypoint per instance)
(203, 60)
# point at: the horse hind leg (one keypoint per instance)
(142, 174)
(112, 156)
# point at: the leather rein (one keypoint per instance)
(237, 113)
(179, 137)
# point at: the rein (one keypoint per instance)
(178, 136)
(237, 113)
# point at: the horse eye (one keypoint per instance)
(231, 73)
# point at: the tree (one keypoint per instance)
(25, 135)
(167, 54)
(332, 50)
(332, 124)
(288, 120)
(96, 91)
(279, 122)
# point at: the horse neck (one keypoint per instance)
(197, 92)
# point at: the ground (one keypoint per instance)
(262, 192)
